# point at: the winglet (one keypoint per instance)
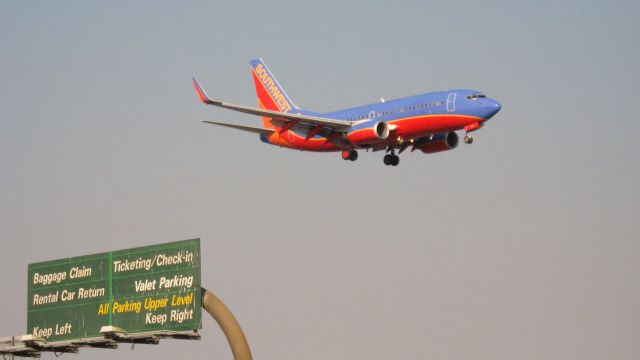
(202, 95)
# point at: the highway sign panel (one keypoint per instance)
(142, 289)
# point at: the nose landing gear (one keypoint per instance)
(468, 139)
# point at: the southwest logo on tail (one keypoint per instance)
(426, 122)
(275, 98)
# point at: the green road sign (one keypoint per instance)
(141, 289)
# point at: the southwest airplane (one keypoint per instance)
(426, 122)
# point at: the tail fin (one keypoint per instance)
(271, 95)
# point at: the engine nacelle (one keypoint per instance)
(439, 142)
(371, 133)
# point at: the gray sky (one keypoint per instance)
(524, 245)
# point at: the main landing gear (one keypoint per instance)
(349, 155)
(391, 159)
(468, 139)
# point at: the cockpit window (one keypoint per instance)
(476, 96)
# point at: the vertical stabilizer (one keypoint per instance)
(271, 95)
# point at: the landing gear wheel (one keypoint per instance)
(391, 159)
(349, 155)
(468, 139)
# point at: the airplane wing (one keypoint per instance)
(253, 129)
(334, 124)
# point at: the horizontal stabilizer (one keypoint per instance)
(253, 129)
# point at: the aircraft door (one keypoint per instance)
(451, 102)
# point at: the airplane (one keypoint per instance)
(426, 122)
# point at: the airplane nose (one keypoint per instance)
(496, 105)
(493, 107)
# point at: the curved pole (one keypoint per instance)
(228, 324)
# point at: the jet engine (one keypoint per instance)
(437, 143)
(372, 132)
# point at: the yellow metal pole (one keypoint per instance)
(228, 324)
